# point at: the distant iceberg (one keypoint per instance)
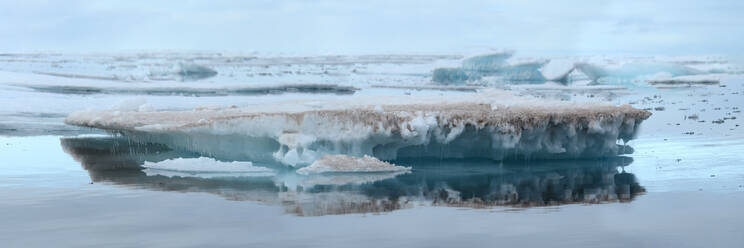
(450, 76)
(493, 124)
(189, 72)
(536, 70)
(487, 63)
(184, 72)
(558, 70)
(634, 70)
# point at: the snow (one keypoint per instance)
(204, 167)
(343, 163)
(491, 124)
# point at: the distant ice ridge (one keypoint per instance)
(343, 163)
(185, 72)
(634, 70)
(490, 124)
(204, 167)
(536, 70)
(685, 80)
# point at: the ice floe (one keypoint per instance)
(491, 124)
(204, 164)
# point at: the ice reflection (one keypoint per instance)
(455, 183)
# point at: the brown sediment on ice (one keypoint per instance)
(492, 124)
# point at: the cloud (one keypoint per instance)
(668, 27)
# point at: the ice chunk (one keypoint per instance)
(189, 72)
(491, 124)
(528, 71)
(343, 163)
(557, 70)
(486, 63)
(634, 70)
(449, 76)
(184, 72)
(495, 65)
(204, 167)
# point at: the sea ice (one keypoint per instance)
(204, 167)
(486, 63)
(184, 72)
(190, 72)
(449, 76)
(558, 70)
(492, 124)
(524, 71)
(685, 80)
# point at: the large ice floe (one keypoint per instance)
(491, 124)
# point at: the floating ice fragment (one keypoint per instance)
(204, 167)
(189, 72)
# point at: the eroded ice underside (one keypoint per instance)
(493, 124)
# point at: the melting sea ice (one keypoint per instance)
(170, 149)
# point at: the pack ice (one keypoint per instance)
(491, 124)
(563, 70)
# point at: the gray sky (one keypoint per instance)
(676, 27)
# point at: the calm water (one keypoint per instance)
(90, 191)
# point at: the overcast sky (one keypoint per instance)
(677, 27)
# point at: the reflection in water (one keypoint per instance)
(459, 183)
